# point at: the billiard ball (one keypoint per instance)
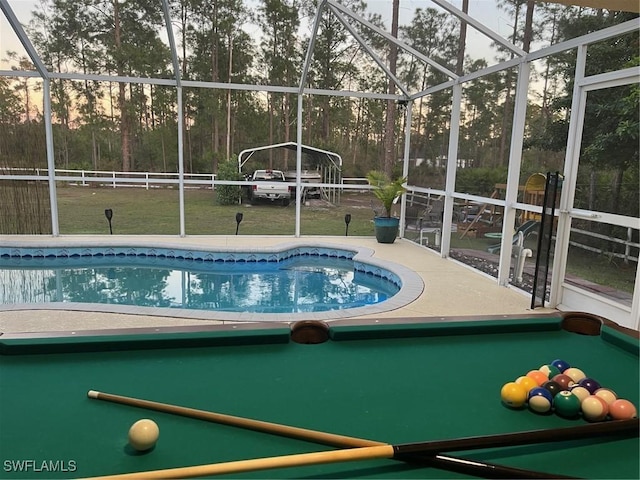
(527, 382)
(538, 376)
(560, 365)
(580, 392)
(590, 384)
(143, 434)
(566, 404)
(594, 408)
(513, 394)
(540, 400)
(622, 409)
(553, 387)
(549, 370)
(606, 394)
(563, 380)
(575, 374)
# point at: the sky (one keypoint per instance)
(483, 10)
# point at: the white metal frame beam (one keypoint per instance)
(496, 37)
(392, 39)
(371, 53)
(521, 60)
(513, 175)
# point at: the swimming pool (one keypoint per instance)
(303, 281)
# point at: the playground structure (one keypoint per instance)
(533, 193)
(522, 232)
(318, 167)
(487, 218)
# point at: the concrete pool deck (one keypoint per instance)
(450, 288)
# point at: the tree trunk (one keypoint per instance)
(462, 40)
(528, 26)
(592, 189)
(616, 187)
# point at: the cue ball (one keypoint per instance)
(143, 434)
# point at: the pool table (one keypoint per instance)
(395, 381)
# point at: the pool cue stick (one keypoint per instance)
(435, 459)
(376, 452)
(443, 462)
(247, 423)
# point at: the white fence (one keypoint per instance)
(149, 180)
(113, 179)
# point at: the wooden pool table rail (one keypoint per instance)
(576, 322)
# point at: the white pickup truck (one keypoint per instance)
(270, 187)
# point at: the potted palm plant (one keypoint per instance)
(386, 190)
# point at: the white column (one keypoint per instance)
(405, 164)
(571, 162)
(452, 164)
(53, 197)
(513, 176)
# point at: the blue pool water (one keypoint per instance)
(267, 283)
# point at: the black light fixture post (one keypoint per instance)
(347, 220)
(238, 220)
(109, 214)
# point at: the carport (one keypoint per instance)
(320, 174)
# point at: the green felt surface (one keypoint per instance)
(438, 385)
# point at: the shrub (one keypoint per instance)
(228, 194)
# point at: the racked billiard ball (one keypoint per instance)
(560, 364)
(563, 380)
(513, 394)
(594, 408)
(622, 409)
(566, 404)
(553, 387)
(606, 394)
(540, 400)
(580, 392)
(527, 382)
(549, 370)
(538, 376)
(590, 384)
(575, 373)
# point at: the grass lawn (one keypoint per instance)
(156, 212)
(597, 268)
